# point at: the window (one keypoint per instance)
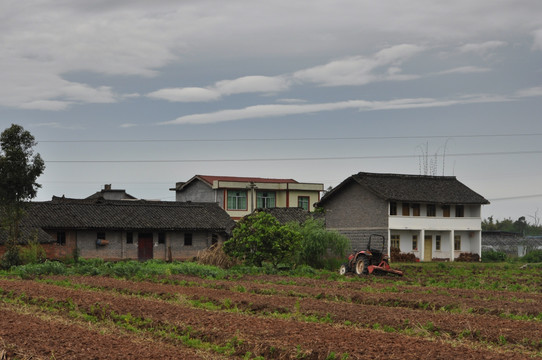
(214, 239)
(265, 199)
(457, 242)
(100, 235)
(61, 238)
(459, 211)
(395, 241)
(303, 202)
(237, 200)
(446, 210)
(414, 242)
(161, 238)
(393, 208)
(129, 238)
(415, 209)
(406, 209)
(188, 239)
(437, 242)
(431, 210)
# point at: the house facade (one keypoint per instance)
(127, 229)
(240, 196)
(433, 217)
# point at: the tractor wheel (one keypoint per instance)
(361, 266)
(343, 269)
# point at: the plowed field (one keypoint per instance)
(264, 317)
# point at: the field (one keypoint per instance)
(437, 311)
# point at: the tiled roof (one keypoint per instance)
(413, 188)
(128, 215)
(286, 215)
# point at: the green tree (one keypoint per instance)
(19, 170)
(319, 244)
(260, 237)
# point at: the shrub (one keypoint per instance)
(493, 256)
(260, 237)
(533, 256)
(319, 246)
(33, 253)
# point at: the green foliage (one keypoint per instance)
(534, 256)
(318, 245)
(493, 256)
(33, 253)
(19, 170)
(519, 226)
(260, 237)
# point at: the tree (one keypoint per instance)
(260, 237)
(318, 244)
(19, 170)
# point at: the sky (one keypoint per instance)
(143, 94)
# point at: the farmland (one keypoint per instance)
(471, 311)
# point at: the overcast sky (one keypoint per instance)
(143, 94)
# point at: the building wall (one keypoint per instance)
(357, 213)
(118, 248)
(356, 208)
(197, 191)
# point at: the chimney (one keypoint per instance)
(107, 187)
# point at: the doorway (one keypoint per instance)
(145, 247)
(428, 248)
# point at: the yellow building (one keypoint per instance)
(240, 196)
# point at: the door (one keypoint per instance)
(428, 248)
(145, 247)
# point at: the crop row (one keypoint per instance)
(261, 333)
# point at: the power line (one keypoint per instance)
(298, 158)
(293, 139)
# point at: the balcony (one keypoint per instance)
(434, 223)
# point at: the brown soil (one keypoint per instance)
(270, 336)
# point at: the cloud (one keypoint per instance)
(274, 110)
(530, 92)
(52, 105)
(464, 70)
(127, 125)
(361, 70)
(188, 94)
(537, 43)
(252, 84)
(482, 49)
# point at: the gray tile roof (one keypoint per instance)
(413, 188)
(127, 215)
(286, 215)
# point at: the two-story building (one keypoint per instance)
(240, 196)
(433, 217)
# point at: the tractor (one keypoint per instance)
(369, 261)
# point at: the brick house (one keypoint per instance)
(433, 217)
(240, 196)
(127, 229)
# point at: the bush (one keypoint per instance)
(533, 256)
(319, 247)
(33, 253)
(493, 256)
(260, 237)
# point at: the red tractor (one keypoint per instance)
(369, 261)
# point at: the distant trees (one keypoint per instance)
(19, 170)
(520, 226)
